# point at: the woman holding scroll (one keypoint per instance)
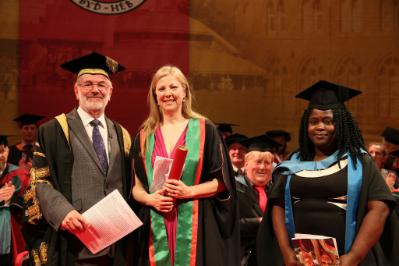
(191, 220)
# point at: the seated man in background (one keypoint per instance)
(378, 154)
(282, 137)
(391, 143)
(237, 152)
(21, 153)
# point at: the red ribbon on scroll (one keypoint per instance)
(178, 163)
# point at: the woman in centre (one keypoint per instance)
(193, 220)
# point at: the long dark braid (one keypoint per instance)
(347, 133)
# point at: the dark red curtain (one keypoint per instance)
(51, 32)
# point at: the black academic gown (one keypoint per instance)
(218, 231)
(60, 162)
(17, 151)
(384, 253)
(15, 154)
(250, 215)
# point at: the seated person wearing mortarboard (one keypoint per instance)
(11, 189)
(251, 191)
(237, 152)
(21, 153)
(225, 129)
(282, 137)
(330, 187)
(391, 143)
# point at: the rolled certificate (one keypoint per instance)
(178, 163)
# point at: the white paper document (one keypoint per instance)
(161, 170)
(111, 219)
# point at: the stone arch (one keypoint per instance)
(389, 17)
(387, 84)
(349, 72)
(311, 16)
(350, 15)
(275, 16)
(278, 84)
(310, 70)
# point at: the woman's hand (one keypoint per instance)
(348, 260)
(290, 258)
(160, 202)
(177, 189)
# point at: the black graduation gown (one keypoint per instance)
(373, 187)
(17, 151)
(250, 214)
(15, 154)
(218, 232)
(59, 159)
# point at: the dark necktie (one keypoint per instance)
(27, 152)
(239, 172)
(98, 145)
(262, 198)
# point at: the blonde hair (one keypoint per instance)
(259, 156)
(155, 116)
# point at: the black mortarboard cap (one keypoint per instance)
(28, 119)
(3, 140)
(395, 153)
(326, 95)
(261, 143)
(391, 135)
(226, 127)
(279, 133)
(235, 138)
(93, 63)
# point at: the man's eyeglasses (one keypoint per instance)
(89, 85)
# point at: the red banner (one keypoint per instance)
(141, 35)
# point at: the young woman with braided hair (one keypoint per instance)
(329, 187)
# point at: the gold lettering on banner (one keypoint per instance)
(114, 7)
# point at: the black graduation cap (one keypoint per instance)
(226, 127)
(28, 119)
(93, 63)
(391, 135)
(261, 143)
(325, 95)
(235, 138)
(3, 140)
(279, 133)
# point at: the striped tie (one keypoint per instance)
(98, 145)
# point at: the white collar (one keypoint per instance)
(236, 168)
(87, 118)
(328, 171)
